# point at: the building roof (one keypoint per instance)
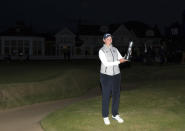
(140, 28)
(90, 30)
(136, 27)
(20, 30)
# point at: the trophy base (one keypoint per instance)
(128, 60)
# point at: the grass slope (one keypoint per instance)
(157, 103)
(23, 84)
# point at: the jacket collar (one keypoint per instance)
(107, 47)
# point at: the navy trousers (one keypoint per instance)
(110, 87)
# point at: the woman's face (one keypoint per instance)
(108, 40)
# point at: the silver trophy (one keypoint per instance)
(129, 51)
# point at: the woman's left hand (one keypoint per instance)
(123, 60)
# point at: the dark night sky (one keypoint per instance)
(51, 14)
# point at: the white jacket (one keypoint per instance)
(109, 57)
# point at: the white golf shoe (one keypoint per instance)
(118, 118)
(106, 121)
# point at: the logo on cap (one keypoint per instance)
(106, 35)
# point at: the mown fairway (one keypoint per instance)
(153, 100)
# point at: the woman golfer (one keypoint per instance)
(110, 78)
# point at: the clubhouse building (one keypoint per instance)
(84, 43)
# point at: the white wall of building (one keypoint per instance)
(22, 45)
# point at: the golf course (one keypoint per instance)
(152, 97)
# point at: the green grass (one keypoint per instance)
(38, 71)
(19, 73)
(23, 84)
(156, 103)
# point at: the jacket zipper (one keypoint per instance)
(105, 69)
(113, 61)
